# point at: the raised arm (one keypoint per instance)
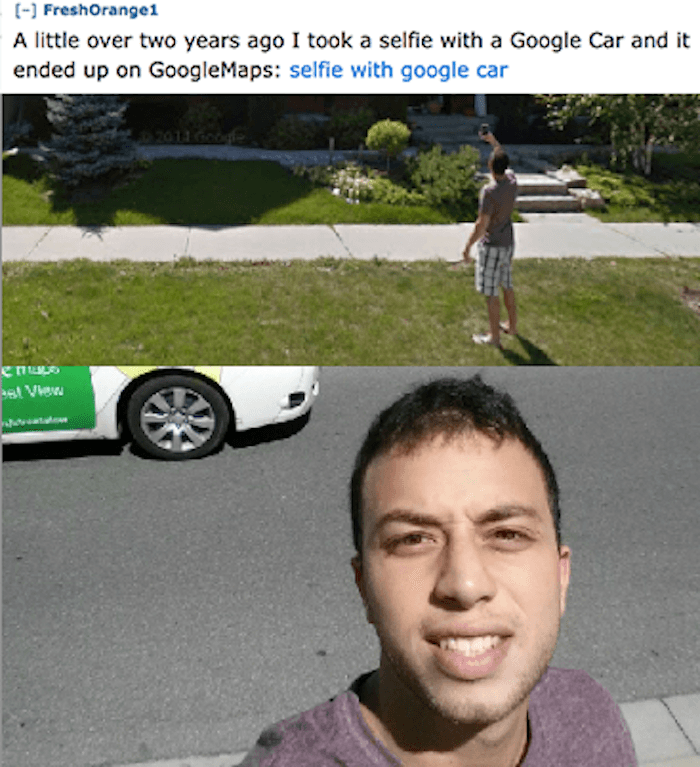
(489, 138)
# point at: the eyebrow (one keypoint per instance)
(495, 514)
(499, 513)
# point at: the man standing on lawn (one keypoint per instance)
(493, 231)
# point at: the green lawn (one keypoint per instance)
(256, 192)
(332, 312)
(196, 192)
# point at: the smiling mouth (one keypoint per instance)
(471, 647)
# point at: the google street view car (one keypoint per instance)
(173, 413)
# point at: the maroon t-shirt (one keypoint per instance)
(573, 723)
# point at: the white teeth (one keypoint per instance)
(470, 647)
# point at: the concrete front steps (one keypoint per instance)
(541, 193)
(555, 191)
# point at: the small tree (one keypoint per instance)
(388, 135)
(88, 141)
(636, 123)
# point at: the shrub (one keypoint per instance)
(447, 180)
(386, 191)
(627, 190)
(148, 115)
(22, 166)
(349, 128)
(262, 114)
(390, 136)
(291, 132)
(199, 120)
(318, 175)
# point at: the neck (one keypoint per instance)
(421, 737)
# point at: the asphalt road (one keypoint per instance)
(155, 609)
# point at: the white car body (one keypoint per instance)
(257, 395)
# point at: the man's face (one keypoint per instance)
(461, 575)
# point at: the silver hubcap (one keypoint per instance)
(177, 419)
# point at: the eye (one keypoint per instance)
(509, 538)
(408, 541)
(509, 534)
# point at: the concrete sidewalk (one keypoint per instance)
(666, 733)
(553, 235)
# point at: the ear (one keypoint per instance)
(356, 563)
(564, 574)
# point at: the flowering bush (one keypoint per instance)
(352, 183)
(358, 183)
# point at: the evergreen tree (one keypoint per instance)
(88, 141)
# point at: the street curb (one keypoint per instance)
(222, 760)
(684, 761)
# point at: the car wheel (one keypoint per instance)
(177, 417)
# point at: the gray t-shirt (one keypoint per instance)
(497, 200)
(573, 723)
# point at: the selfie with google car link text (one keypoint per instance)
(374, 566)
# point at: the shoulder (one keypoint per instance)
(571, 689)
(487, 192)
(325, 736)
(299, 739)
(575, 721)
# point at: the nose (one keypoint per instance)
(464, 577)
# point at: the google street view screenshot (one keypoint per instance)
(447, 264)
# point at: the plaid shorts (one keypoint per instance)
(493, 268)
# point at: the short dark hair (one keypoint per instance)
(499, 161)
(449, 407)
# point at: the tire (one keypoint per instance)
(177, 417)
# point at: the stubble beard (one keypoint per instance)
(469, 707)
